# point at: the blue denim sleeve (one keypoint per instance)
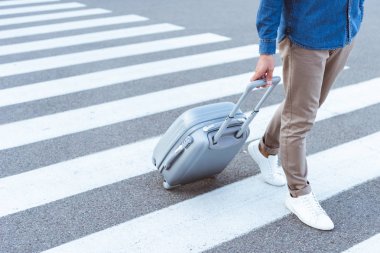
(267, 22)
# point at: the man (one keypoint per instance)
(315, 39)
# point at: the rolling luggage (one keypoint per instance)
(203, 140)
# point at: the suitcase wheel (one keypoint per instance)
(167, 186)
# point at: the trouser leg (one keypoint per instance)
(303, 77)
(308, 76)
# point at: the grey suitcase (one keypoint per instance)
(203, 140)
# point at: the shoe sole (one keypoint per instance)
(295, 213)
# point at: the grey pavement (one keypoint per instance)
(355, 210)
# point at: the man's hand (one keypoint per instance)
(264, 69)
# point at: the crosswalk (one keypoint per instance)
(185, 221)
(209, 219)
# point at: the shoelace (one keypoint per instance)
(314, 206)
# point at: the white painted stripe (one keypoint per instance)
(28, 66)
(371, 245)
(87, 38)
(53, 16)
(69, 26)
(221, 215)
(56, 125)
(23, 191)
(20, 2)
(50, 7)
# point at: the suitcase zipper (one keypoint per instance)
(178, 152)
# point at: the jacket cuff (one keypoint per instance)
(267, 46)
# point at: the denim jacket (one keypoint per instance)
(312, 24)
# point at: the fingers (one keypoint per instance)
(259, 74)
(264, 70)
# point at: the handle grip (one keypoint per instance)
(250, 87)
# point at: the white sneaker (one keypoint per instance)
(309, 211)
(271, 172)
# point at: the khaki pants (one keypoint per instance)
(307, 76)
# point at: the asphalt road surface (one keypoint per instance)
(87, 88)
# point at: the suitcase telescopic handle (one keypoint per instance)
(251, 86)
